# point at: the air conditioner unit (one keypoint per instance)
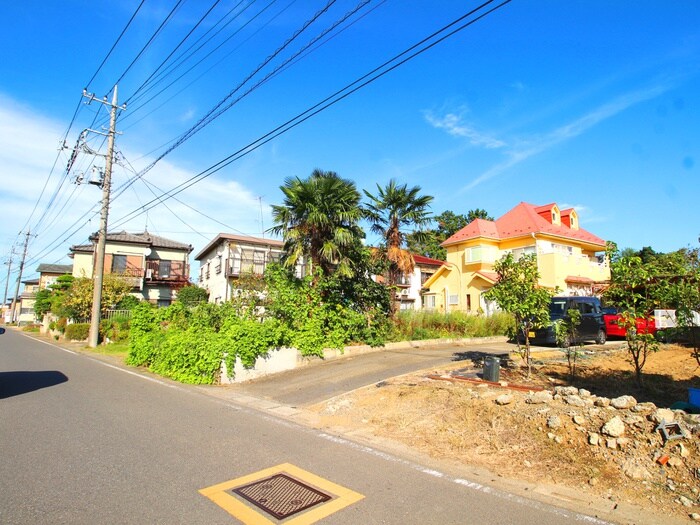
(404, 293)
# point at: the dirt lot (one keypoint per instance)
(561, 441)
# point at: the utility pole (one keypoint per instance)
(19, 277)
(98, 269)
(9, 269)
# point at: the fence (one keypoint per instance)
(111, 314)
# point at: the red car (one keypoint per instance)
(611, 317)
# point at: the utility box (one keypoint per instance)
(492, 369)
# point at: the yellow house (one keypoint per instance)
(570, 259)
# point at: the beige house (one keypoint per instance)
(24, 309)
(156, 266)
(228, 256)
(570, 259)
(48, 273)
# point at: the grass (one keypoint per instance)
(119, 349)
(416, 325)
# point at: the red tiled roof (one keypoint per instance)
(427, 261)
(491, 277)
(524, 219)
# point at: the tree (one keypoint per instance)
(632, 290)
(319, 219)
(389, 212)
(42, 302)
(518, 293)
(447, 224)
(677, 287)
(192, 295)
(478, 213)
(77, 302)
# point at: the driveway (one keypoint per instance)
(315, 383)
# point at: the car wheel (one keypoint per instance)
(601, 338)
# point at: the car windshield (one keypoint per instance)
(610, 310)
(557, 308)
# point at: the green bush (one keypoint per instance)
(77, 331)
(116, 328)
(61, 324)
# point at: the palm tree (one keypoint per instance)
(393, 209)
(319, 220)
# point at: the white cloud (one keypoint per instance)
(568, 131)
(28, 149)
(453, 124)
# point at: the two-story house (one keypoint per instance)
(570, 259)
(410, 287)
(157, 267)
(48, 273)
(24, 313)
(228, 256)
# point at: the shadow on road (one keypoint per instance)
(477, 358)
(17, 383)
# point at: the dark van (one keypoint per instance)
(592, 327)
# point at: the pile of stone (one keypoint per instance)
(650, 445)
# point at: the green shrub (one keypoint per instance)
(116, 328)
(77, 331)
(61, 324)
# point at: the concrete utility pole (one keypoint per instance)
(7, 281)
(98, 269)
(19, 277)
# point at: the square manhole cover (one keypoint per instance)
(281, 496)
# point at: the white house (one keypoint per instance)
(228, 256)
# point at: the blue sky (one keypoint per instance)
(592, 104)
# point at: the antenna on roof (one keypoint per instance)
(262, 227)
(145, 228)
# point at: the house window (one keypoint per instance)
(472, 254)
(164, 268)
(258, 262)
(454, 299)
(469, 303)
(520, 252)
(429, 301)
(563, 249)
(118, 263)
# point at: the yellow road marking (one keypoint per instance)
(341, 496)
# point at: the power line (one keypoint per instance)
(200, 61)
(70, 125)
(167, 101)
(114, 45)
(150, 41)
(204, 121)
(182, 41)
(378, 72)
(150, 186)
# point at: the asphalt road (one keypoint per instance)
(82, 441)
(315, 383)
